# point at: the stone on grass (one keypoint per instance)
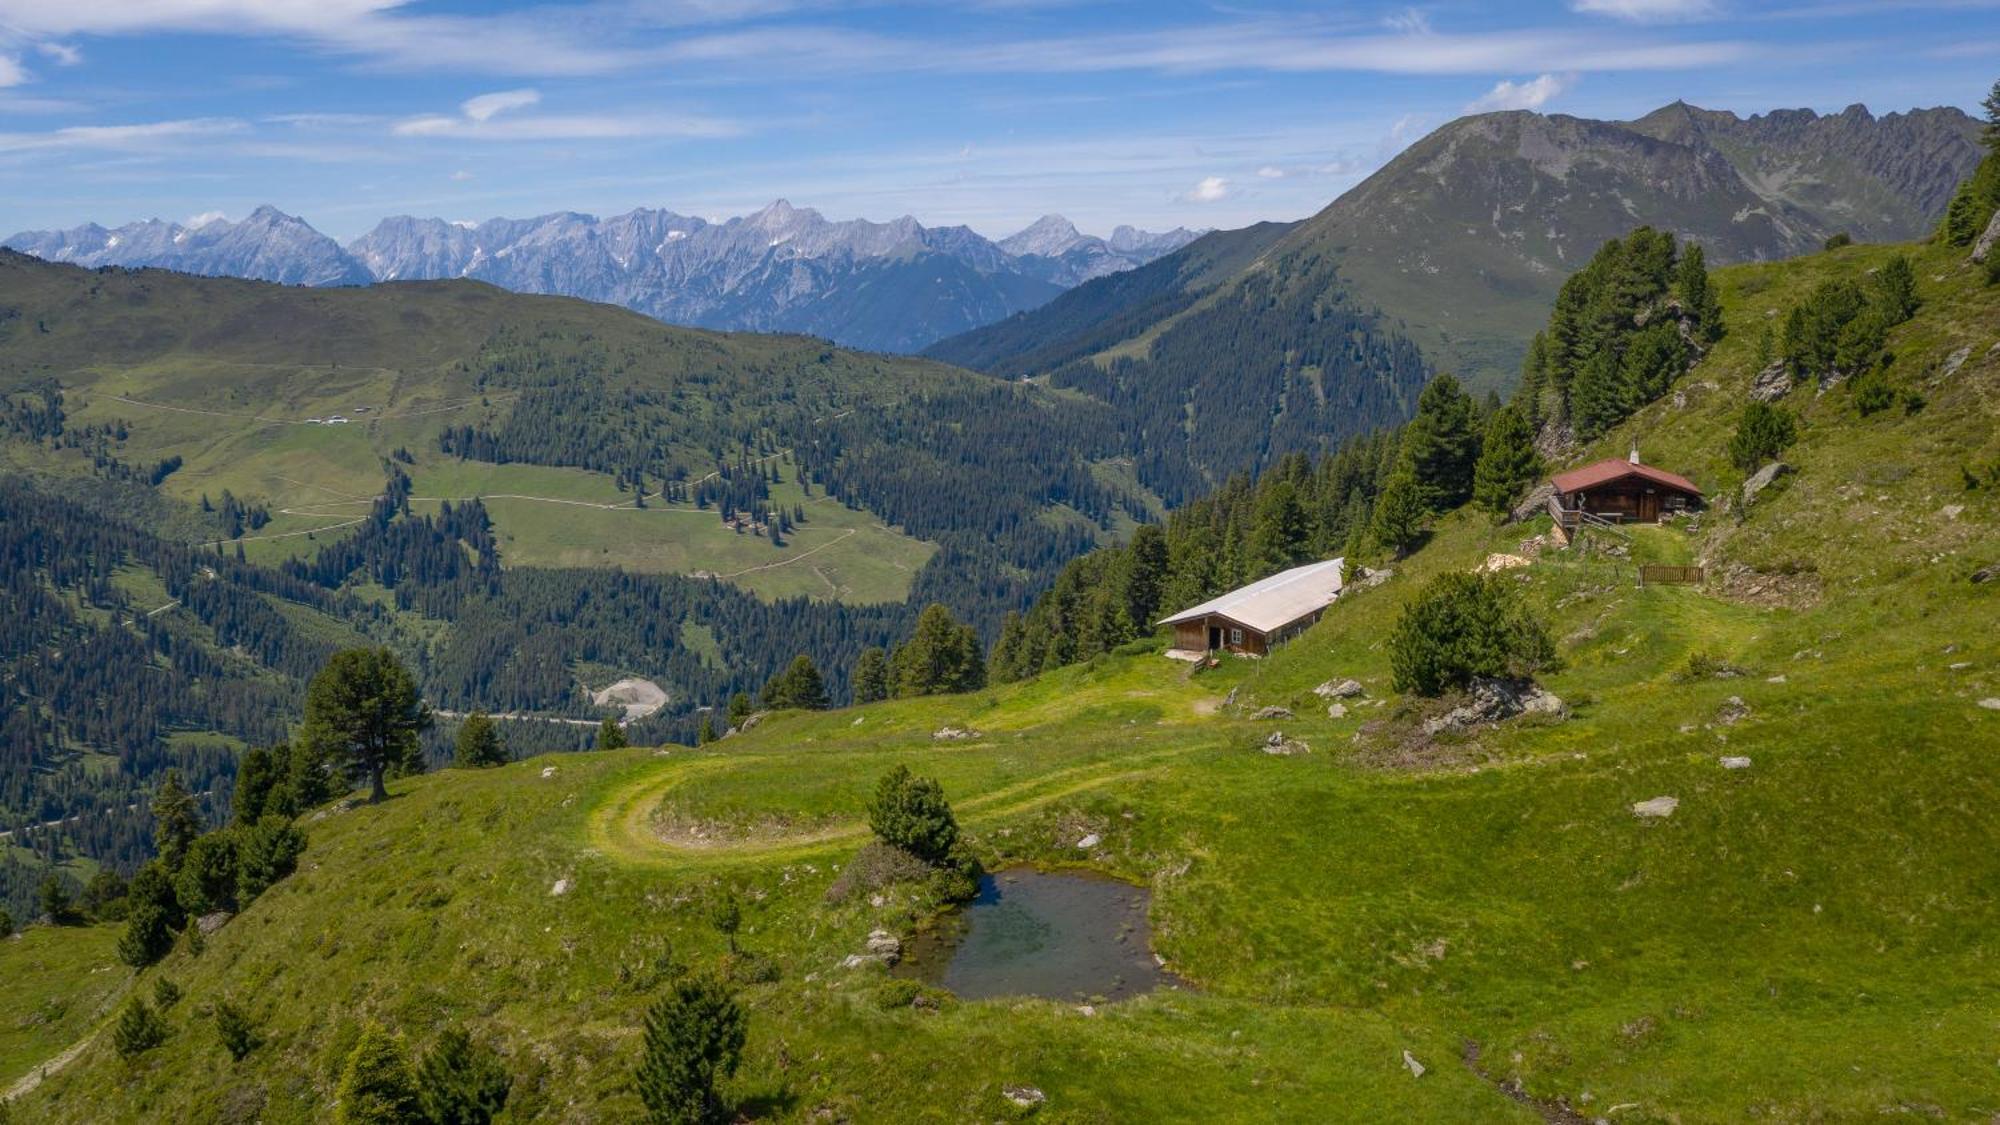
(1985, 574)
(1344, 689)
(1087, 843)
(1416, 1068)
(1763, 478)
(548, 771)
(1733, 711)
(1735, 762)
(885, 945)
(1657, 807)
(1273, 712)
(1279, 745)
(952, 734)
(1026, 1097)
(209, 923)
(1772, 383)
(561, 887)
(1991, 704)
(1336, 711)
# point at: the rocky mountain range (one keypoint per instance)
(1462, 240)
(895, 286)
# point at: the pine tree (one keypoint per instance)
(1399, 515)
(798, 686)
(1697, 294)
(376, 1086)
(54, 897)
(1441, 444)
(1896, 289)
(705, 734)
(175, 821)
(739, 709)
(139, 1029)
(941, 656)
(1146, 581)
(461, 1082)
(1990, 132)
(152, 913)
(206, 881)
(1461, 627)
(256, 777)
(694, 1038)
(1005, 663)
(235, 1029)
(363, 713)
(479, 743)
(165, 993)
(265, 853)
(611, 736)
(910, 813)
(1762, 432)
(1508, 463)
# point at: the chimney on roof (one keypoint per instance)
(1634, 458)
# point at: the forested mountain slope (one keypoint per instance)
(1743, 874)
(1459, 243)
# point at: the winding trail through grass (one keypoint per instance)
(621, 826)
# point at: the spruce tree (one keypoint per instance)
(910, 813)
(478, 743)
(1762, 432)
(1441, 444)
(54, 897)
(1508, 463)
(1398, 522)
(1461, 627)
(376, 1086)
(739, 708)
(461, 1082)
(206, 881)
(871, 676)
(1146, 579)
(152, 916)
(611, 736)
(705, 733)
(798, 686)
(175, 820)
(256, 776)
(694, 1038)
(363, 713)
(1279, 537)
(941, 656)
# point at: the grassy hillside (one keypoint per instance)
(228, 375)
(1804, 939)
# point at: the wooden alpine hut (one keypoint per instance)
(1265, 613)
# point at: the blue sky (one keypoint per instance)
(1152, 112)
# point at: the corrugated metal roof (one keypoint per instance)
(1272, 603)
(1604, 472)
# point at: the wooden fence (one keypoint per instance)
(1651, 575)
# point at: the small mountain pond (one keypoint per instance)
(1067, 935)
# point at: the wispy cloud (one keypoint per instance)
(1647, 11)
(1532, 94)
(12, 73)
(61, 53)
(486, 106)
(150, 135)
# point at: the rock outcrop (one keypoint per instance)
(1496, 700)
(1762, 479)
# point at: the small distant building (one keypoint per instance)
(1261, 615)
(1621, 491)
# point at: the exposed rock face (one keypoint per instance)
(269, 245)
(1492, 701)
(1772, 383)
(952, 734)
(1762, 479)
(1984, 246)
(1273, 713)
(1025, 1097)
(1341, 689)
(1534, 503)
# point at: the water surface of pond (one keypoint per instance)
(1058, 935)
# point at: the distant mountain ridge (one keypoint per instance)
(1463, 239)
(894, 286)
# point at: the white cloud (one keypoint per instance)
(11, 72)
(1271, 172)
(1532, 94)
(1212, 189)
(196, 222)
(485, 106)
(461, 176)
(567, 127)
(1647, 11)
(62, 53)
(151, 135)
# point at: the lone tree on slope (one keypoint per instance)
(363, 713)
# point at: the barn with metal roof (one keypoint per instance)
(1265, 613)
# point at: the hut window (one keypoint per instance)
(1236, 636)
